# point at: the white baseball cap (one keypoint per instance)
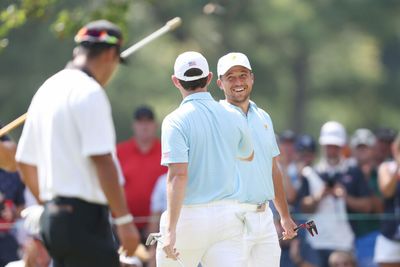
(332, 133)
(190, 60)
(362, 136)
(230, 60)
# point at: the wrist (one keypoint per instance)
(122, 220)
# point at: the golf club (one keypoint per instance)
(169, 26)
(310, 226)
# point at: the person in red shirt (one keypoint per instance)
(140, 158)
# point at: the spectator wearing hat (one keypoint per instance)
(287, 140)
(66, 155)
(287, 159)
(324, 195)
(365, 228)
(140, 161)
(384, 139)
(387, 247)
(305, 153)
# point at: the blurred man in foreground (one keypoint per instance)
(66, 155)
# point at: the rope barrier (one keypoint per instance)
(296, 216)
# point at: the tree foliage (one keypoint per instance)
(314, 60)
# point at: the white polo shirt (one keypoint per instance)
(68, 121)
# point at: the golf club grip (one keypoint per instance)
(12, 125)
(169, 26)
(295, 229)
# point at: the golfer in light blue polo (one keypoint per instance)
(261, 179)
(201, 145)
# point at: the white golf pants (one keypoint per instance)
(260, 236)
(210, 234)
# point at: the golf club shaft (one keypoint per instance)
(12, 125)
(169, 26)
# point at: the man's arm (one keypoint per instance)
(108, 178)
(29, 176)
(7, 156)
(249, 158)
(387, 179)
(176, 185)
(359, 204)
(281, 203)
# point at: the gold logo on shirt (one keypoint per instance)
(266, 126)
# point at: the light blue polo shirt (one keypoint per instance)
(256, 176)
(209, 138)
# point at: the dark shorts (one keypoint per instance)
(78, 234)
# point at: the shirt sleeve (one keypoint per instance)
(174, 144)
(93, 117)
(26, 149)
(274, 144)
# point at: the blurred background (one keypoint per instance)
(313, 61)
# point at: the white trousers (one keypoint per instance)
(261, 239)
(210, 234)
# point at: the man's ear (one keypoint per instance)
(110, 54)
(175, 81)
(209, 78)
(219, 83)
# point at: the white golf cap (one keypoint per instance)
(332, 133)
(362, 136)
(230, 60)
(190, 60)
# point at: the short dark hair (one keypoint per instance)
(193, 85)
(143, 112)
(93, 50)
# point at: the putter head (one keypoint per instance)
(152, 239)
(311, 228)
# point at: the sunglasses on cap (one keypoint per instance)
(97, 36)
